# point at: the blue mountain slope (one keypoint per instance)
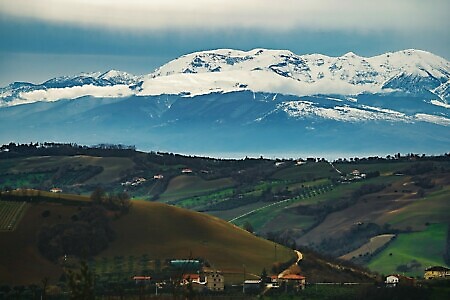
(241, 122)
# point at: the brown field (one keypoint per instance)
(370, 247)
(20, 260)
(433, 208)
(369, 209)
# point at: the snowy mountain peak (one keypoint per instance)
(284, 61)
(275, 95)
(282, 71)
(118, 77)
(412, 72)
(350, 54)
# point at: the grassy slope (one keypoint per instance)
(427, 247)
(269, 217)
(368, 210)
(375, 243)
(155, 229)
(433, 208)
(187, 186)
(163, 231)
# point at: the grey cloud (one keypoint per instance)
(280, 15)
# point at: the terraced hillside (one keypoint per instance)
(11, 214)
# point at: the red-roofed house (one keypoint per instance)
(197, 282)
(294, 281)
(142, 279)
(191, 278)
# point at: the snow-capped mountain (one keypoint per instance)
(270, 98)
(258, 70)
(348, 74)
(111, 83)
(276, 71)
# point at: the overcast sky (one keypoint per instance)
(47, 38)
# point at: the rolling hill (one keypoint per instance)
(312, 203)
(156, 230)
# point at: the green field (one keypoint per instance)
(24, 180)
(185, 186)
(280, 217)
(426, 247)
(433, 208)
(121, 267)
(263, 215)
(205, 200)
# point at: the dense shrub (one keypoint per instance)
(418, 168)
(87, 235)
(367, 189)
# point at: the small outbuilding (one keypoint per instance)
(56, 190)
(252, 286)
(142, 280)
(394, 280)
(391, 280)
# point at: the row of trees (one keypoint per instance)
(395, 157)
(36, 149)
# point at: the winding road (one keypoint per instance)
(289, 270)
(257, 209)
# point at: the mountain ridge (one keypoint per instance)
(259, 101)
(259, 70)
